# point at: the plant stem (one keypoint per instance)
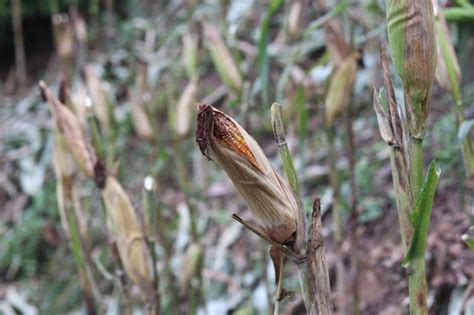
(20, 60)
(417, 287)
(416, 165)
(313, 272)
(334, 181)
(279, 287)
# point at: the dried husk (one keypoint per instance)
(413, 46)
(184, 108)
(336, 44)
(129, 237)
(141, 122)
(98, 95)
(64, 36)
(222, 58)
(340, 89)
(443, 38)
(192, 264)
(72, 132)
(269, 197)
(294, 17)
(64, 169)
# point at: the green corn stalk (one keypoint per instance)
(313, 274)
(413, 205)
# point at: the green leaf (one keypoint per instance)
(469, 241)
(421, 215)
(465, 128)
(458, 14)
(300, 102)
(262, 57)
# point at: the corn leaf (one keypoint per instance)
(421, 215)
(262, 58)
(458, 14)
(300, 102)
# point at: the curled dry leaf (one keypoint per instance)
(269, 197)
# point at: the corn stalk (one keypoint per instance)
(414, 211)
(313, 272)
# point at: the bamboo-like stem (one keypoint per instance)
(285, 155)
(313, 272)
(407, 180)
(20, 61)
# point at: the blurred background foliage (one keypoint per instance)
(278, 58)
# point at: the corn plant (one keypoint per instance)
(414, 206)
(274, 202)
(128, 232)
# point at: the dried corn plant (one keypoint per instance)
(127, 231)
(272, 201)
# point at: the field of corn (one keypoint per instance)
(237, 157)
